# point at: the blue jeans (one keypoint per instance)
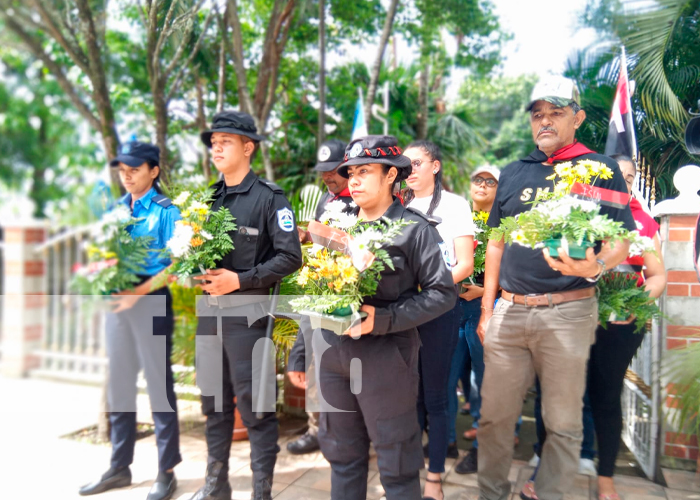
(438, 338)
(588, 444)
(471, 312)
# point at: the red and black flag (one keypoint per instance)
(621, 136)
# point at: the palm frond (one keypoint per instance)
(646, 30)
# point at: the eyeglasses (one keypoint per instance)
(416, 164)
(489, 182)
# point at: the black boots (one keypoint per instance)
(305, 444)
(164, 487)
(262, 488)
(113, 478)
(216, 485)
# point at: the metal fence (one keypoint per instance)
(73, 345)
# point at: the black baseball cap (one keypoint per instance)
(232, 122)
(135, 153)
(330, 155)
(373, 149)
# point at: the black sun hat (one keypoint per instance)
(135, 153)
(232, 122)
(330, 155)
(373, 149)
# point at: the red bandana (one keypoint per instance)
(569, 152)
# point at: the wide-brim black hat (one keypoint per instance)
(373, 149)
(232, 122)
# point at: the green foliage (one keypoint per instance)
(184, 310)
(481, 238)
(115, 257)
(201, 239)
(619, 295)
(682, 366)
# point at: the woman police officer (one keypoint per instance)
(417, 290)
(138, 337)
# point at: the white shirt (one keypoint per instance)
(456, 218)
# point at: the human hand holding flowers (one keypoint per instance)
(219, 281)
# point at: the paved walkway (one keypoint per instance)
(36, 463)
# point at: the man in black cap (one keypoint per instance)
(266, 250)
(381, 408)
(330, 156)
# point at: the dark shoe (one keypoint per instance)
(113, 478)
(216, 485)
(305, 444)
(262, 488)
(469, 464)
(164, 487)
(452, 451)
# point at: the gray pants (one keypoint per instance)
(554, 343)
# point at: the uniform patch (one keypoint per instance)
(285, 220)
(324, 153)
(445, 254)
(355, 150)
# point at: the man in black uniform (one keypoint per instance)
(266, 250)
(417, 290)
(545, 320)
(330, 156)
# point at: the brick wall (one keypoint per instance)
(681, 304)
(24, 301)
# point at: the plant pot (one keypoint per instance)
(576, 251)
(240, 433)
(335, 323)
(614, 317)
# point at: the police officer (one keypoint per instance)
(330, 156)
(417, 290)
(136, 338)
(266, 249)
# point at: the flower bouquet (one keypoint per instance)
(114, 256)
(201, 238)
(481, 239)
(621, 297)
(343, 266)
(560, 220)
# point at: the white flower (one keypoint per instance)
(198, 206)
(639, 225)
(206, 235)
(179, 244)
(181, 199)
(639, 245)
(335, 207)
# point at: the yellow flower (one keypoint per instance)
(303, 277)
(349, 275)
(197, 241)
(338, 284)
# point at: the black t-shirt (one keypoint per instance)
(523, 270)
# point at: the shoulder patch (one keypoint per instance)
(285, 220)
(274, 187)
(433, 220)
(162, 200)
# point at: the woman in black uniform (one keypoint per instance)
(383, 410)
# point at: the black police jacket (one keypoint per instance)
(266, 241)
(418, 290)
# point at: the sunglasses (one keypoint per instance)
(489, 182)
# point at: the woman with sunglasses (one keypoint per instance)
(439, 336)
(417, 290)
(484, 182)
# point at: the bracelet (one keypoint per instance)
(487, 308)
(600, 274)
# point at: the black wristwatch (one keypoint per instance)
(595, 278)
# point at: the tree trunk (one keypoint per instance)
(202, 126)
(321, 72)
(423, 82)
(376, 68)
(160, 109)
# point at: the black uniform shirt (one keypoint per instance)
(523, 270)
(418, 261)
(266, 242)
